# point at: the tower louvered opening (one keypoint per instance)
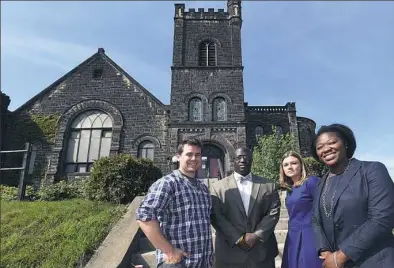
(207, 53)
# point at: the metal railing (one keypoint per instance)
(25, 169)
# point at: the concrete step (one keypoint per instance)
(280, 236)
(281, 247)
(148, 259)
(282, 224)
(283, 213)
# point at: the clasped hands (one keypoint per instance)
(333, 259)
(247, 241)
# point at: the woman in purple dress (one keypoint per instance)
(300, 248)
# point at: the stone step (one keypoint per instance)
(148, 259)
(284, 213)
(280, 236)
(282, 224)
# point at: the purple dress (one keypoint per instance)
(300, 248)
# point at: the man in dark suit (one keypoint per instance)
(245, 212)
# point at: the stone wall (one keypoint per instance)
(138, 115)
(306, 128)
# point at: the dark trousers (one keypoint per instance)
(176, 265)
(247, 264)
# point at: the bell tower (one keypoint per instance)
(207, 92)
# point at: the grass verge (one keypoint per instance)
(54, 234)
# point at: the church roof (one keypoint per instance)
(100, 53)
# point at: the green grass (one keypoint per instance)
(53, 234)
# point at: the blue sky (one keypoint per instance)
(334, 59)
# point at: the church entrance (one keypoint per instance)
(212, 165)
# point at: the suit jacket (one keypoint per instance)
(363, 216)
(231, 221)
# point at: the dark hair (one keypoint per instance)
(343, 132)
(188, 141)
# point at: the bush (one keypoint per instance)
(62, 190)
(10, 193)
(120, 178)
(268, 152)
(315, 168)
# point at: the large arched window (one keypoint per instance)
(195, 109)
(219, 109)
(258, 132)
(89, 139)
(279, 131)
(146, 150)
(207, 53)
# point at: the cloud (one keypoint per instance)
(65, 56)
(44, 51)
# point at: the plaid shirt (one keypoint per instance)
(183, 210)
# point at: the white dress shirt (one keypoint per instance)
(245, 188)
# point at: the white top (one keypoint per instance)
(244, 185)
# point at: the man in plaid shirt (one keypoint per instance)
(175, 214)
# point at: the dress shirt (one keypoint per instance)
(244, 184)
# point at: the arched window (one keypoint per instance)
(146, 150)
(219, 109)
(279, 131)
(207, 53)
(195, 109)
(89, 139)
(259, 131)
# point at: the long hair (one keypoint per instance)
(285, 181)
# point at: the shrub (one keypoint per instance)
(10, 193)
(120, 178)
(268, 152)
(315, 168)
(62, 190)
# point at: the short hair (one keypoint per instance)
(286, 182)
(343, 132)
(188, 141)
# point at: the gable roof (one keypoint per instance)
(100, 53)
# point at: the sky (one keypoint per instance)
(334, 59)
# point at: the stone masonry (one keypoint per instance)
(138, 116)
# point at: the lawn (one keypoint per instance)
(53, 234)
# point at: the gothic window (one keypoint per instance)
(195, 109)
(219, 109)
(258, 131)
(279, 131)
(89, 139)
(146, 150)
(207, 53)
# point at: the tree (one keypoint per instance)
(314, 167)
(268, 152)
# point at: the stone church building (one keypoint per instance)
(103, 111)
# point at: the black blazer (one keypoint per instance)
(363, 216)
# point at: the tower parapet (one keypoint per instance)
(200, 13)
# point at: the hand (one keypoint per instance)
(324, 254)
(241, 243)
(174, 256)
(251, 239)
(329, 262)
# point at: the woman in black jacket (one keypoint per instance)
(353, 215)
